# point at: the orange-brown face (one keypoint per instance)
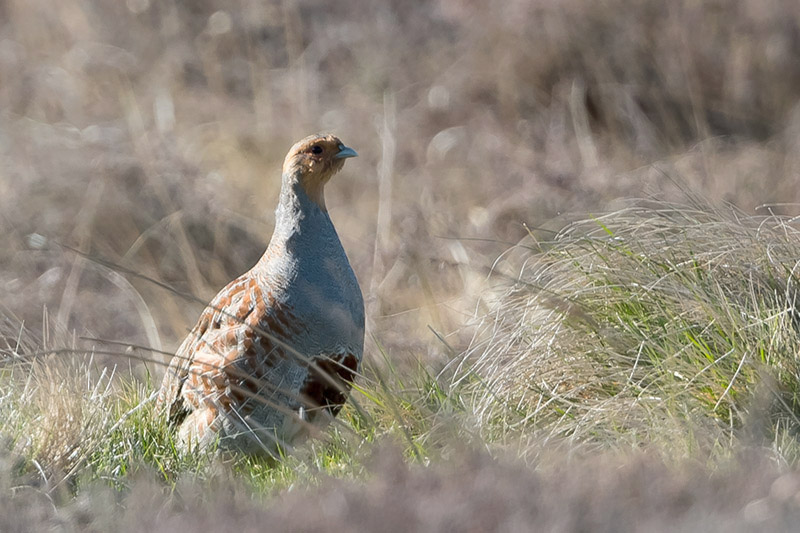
(316, 159)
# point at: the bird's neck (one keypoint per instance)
(301, 222)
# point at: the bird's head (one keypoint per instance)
(313, 161)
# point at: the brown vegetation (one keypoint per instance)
(145, 134)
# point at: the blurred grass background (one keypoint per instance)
(151, 134)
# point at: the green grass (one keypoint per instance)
(149, 135)
(73, 425)
(662, 324)
(670, 328)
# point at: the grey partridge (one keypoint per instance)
(274, 353)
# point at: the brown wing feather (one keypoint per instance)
(237, 339)
(223, 362)
(208, 345)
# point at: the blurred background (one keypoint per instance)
(150, 135)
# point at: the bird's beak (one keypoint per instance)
(345, 152)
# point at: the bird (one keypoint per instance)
(274, 354)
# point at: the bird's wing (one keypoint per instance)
(223, 327)
(236, 355)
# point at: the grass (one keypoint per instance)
(74, 422)
(653, 324)
(660, 327)
(631, 370)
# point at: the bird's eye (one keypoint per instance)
(316, 149)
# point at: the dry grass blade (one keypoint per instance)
(682, 308)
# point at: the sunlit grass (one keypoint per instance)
(73, 423)
(660, 324)
(669, 327)
(147, 139)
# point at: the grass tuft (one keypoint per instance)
(656, 323)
